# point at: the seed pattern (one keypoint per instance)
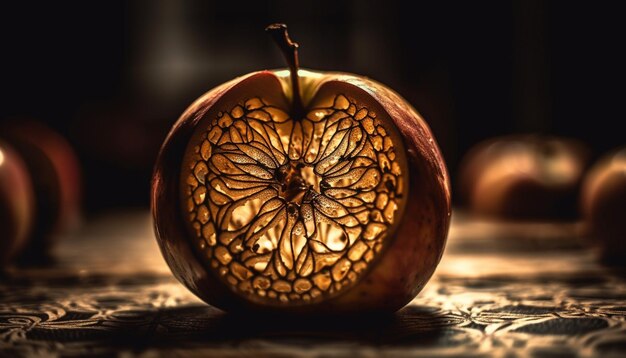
(292, 211)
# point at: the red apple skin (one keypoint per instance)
(603, 204)
(398, 274)
(523, 177)
(55, 172)
(17, 204)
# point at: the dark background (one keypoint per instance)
(113, 76)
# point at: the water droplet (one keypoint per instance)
(199, 195)
(232, 280)
(315, 293)
(225, 121)
(277, 115)
(208, 233)
(239, 271)
(254, 103)
(222, 255)
(360, 114)
(302, 285)
(357, 251)
(203, 214)
(196, 227)
(200, 172)
(381, 201)
(237, 112)
(377, 142)
(281, 286)
(322, 281)
(340, 269)
(206, 150)
(373, 230)
(351, 110)
(192, 182)
(368, 124)
(341, 102)
(245, 286)
(214, 135)
(261, 282)
(236, 246)
(390, 211)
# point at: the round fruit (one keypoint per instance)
(55, 173)
(523, 177)
(604, 205)
(16, 203)
(301, 191)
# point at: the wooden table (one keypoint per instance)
(501, 289)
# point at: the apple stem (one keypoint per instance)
(290, 51)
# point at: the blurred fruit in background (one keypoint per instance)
(117, 144)
(603, 204)
(523, 177)
(17, 205)
(55, 175)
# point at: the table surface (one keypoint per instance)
(501, 289)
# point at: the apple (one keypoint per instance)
(16, 204)
(303, 192)
(603, 203)
(523, 177)
(55, 173)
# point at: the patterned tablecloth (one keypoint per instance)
(501, 289)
